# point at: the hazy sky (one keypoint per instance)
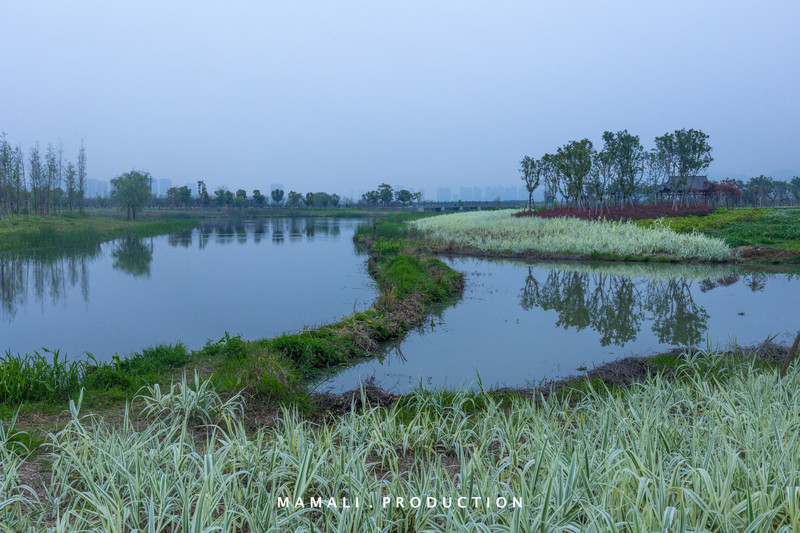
(342, 95)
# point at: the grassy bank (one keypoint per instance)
(705, 444)
(75, 230)
(500, 233)
(775, 227)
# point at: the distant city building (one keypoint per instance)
(153, 187)
(164, 185)
(96, 188)
(444, 194)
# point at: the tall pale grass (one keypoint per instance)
(500, 231)
(688, 454)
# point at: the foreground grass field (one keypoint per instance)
(499, 231)
(680, 452)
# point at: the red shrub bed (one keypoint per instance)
(637, 212)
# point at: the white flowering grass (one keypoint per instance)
(500, 231)
(688, 454)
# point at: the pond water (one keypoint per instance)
(518, 324)
(254, 278)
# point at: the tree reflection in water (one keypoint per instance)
(49, 273)
(133, 255)
(615, 306)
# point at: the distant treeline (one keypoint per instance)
(623, 172)
(40, 184)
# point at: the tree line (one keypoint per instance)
(621, 172)
(39, 183)
(624, 172)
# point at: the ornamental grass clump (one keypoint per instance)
(713, 446)
(499, 231)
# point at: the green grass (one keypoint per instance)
(36, 377)
(51, 379)
(774, 227)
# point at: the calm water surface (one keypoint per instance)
(254, 278)
(518, 324)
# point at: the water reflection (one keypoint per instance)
(133, 256)
(44, 275)
(520, 323)
(178, 287)
(616, 300)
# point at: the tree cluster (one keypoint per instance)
(386, 195)
(42, 184)
(620, 172)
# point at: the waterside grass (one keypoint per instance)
(775, 227)
(76, 230)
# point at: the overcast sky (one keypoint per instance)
(340, 96)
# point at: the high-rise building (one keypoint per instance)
(96, 188)
(163, 186)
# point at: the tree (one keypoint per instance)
(277, 196)
(417, 196)
(574, 162)
(627, 157)
(294, 199)
(371, 197)
(36, 177)
(683, 153)
(795, 187)
(50, 176)
(172, 196)
(132, 191)
(81, 176)
(531, 170)
(258, 198)
(386, 193)
(202, 193)
(403, 196)
(551, 175)
(71, 181)
(241, 198)
(335, 199)
(184, 196)
(309, 199)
